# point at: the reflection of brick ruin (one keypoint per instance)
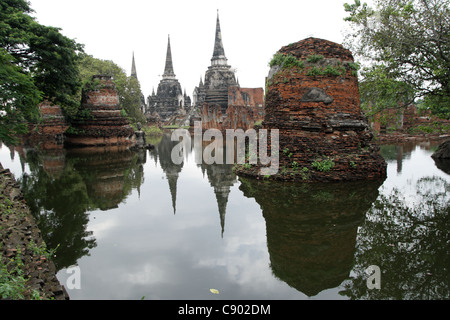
(312, 229)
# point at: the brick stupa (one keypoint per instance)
(100, 122)
(313, 99)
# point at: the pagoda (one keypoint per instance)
(218, 78)
(169, 99)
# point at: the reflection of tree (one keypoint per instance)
(312, 228)
(59, 206)
(61, 189)
(409, 244)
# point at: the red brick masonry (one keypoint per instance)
(316, 108)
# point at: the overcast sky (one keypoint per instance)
(252, 31)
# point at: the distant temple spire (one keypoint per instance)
(133, 68)
(168, 70)
(218, 57)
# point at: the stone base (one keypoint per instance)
(99, 141)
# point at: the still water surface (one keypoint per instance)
(138, 225)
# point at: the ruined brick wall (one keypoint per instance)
(99, 120)
(211, 116)
(313, 99)
(245, 108)
(252, 97)
(406, 120)
(49, 132)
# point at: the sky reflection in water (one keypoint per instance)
(137, 225)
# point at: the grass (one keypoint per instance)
(152, 130)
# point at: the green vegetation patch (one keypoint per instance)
(323, 165)
(286, 61)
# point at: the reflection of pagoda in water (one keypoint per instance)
(104, 172)
(222, 178)
(162, 152)
(311, 229)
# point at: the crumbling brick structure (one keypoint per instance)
(49, 132)
(245, 108)
(99, 120)
(313, 99)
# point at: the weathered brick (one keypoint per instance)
(319, 116)
(104, 124)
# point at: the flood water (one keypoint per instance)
(139, 226)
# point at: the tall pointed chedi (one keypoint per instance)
(133, 68)
(168, 69)
(134, 75)
(218, 78)
(218, 58)
(169, 100)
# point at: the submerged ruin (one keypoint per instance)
(312, 98)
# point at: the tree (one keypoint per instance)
(38, 63)
(18, 97)
(406, 43)
(128, 88)
(132, 100)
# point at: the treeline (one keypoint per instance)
(404, 48)
(39, 63)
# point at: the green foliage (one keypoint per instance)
(354, 67)
(13, 280)
(406, 44)
(433, 128)
(439, 105)
(379, 91)
(152, 131)
(305, 173)
(334, 71)
(314, 71)
(286, 61)
(287, 153)
(41, 250)
(277, 60)
(323, 165)
(128, 88)
(329, 70)
(314, 58)
(19, 97)
(37, 62)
